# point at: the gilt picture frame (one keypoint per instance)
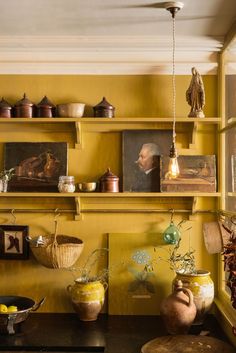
(13, 243)
(37, 165)
(152, 142)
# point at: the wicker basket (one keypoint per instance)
(58, 251)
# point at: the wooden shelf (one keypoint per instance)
(110, 194)
(117, 124)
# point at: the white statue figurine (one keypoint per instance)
(195, 95)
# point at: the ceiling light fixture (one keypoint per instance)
(173, 170)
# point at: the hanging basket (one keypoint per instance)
(57, 251)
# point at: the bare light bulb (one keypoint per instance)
(173, 168)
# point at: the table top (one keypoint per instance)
(109, 333)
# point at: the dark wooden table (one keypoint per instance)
(109, 334)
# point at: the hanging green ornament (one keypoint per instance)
(172, 234)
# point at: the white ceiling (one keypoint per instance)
(86, 32)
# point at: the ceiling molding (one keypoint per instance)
(106, 55)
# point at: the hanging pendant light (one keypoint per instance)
(173, 169)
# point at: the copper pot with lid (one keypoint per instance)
(109, 182)
(24, 108)
(5, 109)
(104, 109)
(45, 108)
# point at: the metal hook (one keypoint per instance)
(14, 217)
(57, 214)
(172, 214)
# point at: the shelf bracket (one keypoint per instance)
(78, 216)
(192, 143)
(78, 143)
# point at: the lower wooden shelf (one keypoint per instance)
(121, 202)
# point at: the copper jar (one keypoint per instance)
(24, 108)
(104, 109)
(5, 109)
(109, 182)
(45, 108)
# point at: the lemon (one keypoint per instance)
(12, 309)
(3, 308)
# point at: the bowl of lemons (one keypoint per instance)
(15, 309)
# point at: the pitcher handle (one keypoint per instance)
(105, 285)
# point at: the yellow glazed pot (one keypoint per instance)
(202, 287)
(87, 298)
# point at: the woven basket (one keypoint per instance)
(58, 251)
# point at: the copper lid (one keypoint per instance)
(24, 101)
(103, 105)
(45, 102)
(4, 104)
(109, 175)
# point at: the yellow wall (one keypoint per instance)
(131, 96)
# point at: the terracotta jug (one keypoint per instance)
(178, 310)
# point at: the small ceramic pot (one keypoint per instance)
(87, 298)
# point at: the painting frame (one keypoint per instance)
(198, 173)
(37, 165)
(137, 144)
(10, 249)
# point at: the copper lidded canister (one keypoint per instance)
(5, 109)
(45, 108)
(109, 182)
(24, 108)
(104, 109)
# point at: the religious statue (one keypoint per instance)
(195, 95)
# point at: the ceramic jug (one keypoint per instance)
(87, 298)
(202, 287)
(178, 310)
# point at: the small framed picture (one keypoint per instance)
(13, 243)
(37, 165)
(197, 173)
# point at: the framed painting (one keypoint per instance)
(37, 165)
(13, 243)
(197, 173)
(132, 290)
(141, 151)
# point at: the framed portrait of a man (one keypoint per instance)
(141, 151)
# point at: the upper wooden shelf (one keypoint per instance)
(88, 124)
(211, 120)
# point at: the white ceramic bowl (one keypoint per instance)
(71, 110)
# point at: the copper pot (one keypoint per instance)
(45, 108)
(5, 109)
(24, 108)
(109, 182)
(104, 109)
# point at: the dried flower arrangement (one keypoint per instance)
(229, 257)
(86, 273)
